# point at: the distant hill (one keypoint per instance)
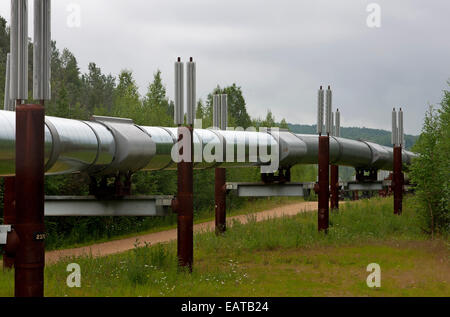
(382, 137)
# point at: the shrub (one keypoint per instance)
(430, 172)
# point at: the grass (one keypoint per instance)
(158, 224)
(277, 257)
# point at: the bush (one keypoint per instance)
(431, 171)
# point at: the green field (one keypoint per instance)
(157, 224)
(278, 257)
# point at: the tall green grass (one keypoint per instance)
(151, 270)
(361, 222)
(89, 230)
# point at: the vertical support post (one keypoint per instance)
(398, 178)
(9, 215)
(30, 256)
(220, 200)
(334, 169)
(185, 171)
(324, 162)
(220, 173)
(185, 233)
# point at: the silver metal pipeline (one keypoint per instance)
(107, 146)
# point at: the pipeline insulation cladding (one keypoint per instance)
(179, 89)
(328, 118)
(320, 105)
(107, 146)
(394, 128)
(223, 112)
(191, 92)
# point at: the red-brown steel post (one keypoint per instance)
(220, 200)
(324, 162)
(398, 180)
(185, 203)
(334, 171)
(9, 215)
(355, 195)
(30, 256)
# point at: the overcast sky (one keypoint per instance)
(278, 51)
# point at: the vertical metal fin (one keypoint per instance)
(7, 100)
(216, 111)
(191, 91)
(338, 123)
(179, 88)
(333, 131)
(401, 134)
(13, 31)
(394, 128)
(329, 110)
(42, 50)
(19, 50)
(320, 105)
(223, 112)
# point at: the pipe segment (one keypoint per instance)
(107, 146)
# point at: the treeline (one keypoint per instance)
(79, 95)
(381, 137)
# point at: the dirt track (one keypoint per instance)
(118, 246)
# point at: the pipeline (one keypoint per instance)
(106, 146)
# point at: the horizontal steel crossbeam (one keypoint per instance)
(90, 206)
(267, 190)
(4, 229)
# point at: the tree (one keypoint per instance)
(156, 94)
(157, 109)
(237, 106)
(98, 90)
(430, 172)
(269, 122)
(127, 103)
(284, 124)
(200, 110)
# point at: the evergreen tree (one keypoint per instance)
(127, 102)
(156, 104)
(237, 106)
(98, 90)
(284, 124)
(200, 110)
